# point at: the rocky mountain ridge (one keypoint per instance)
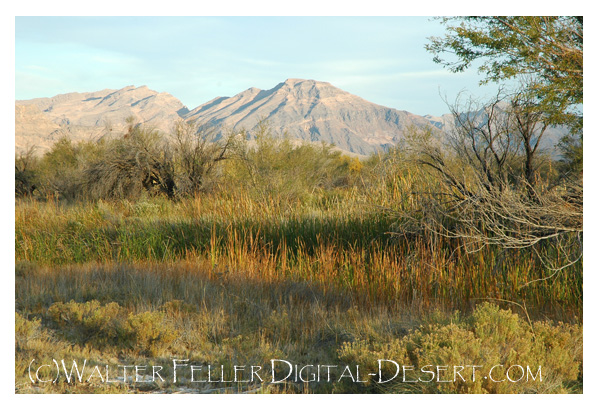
(86, 116)
(305, 110)
(312, 111)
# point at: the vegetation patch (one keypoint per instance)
(111, 325)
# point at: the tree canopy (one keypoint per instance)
(545, 51)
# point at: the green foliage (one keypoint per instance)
(59, 173)
(60, 170)
(112, 325)
(548, 48)
(276, 167)
(544, 53)
(490, 336)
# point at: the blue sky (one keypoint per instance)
(381, 59)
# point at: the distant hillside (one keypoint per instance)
(306, 110)
(312, 111)
(85, 116)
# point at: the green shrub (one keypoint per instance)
(90, 322)
(25, 331)
(112, 325)
(150, 333)
(273, 166)
(490, 336)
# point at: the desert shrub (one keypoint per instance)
(149, 332)
(25, 331)
(33, 342)
(495, 186)
(197, 154)
(273, 166)
(144, 161)
(58, 173)
(131, 165)
(112, 325)
(26, 173)
(89, 322)
(490, 336)
(60, 169)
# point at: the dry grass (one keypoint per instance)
(332, 241)
(236, 319)
(236, 279)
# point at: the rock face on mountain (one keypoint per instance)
(84, 116)
(312, 111)
(305, 110)
(33, 128)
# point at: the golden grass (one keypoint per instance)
(233, 318)
(236, 279)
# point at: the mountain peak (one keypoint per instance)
(311, 110)
(293, 82)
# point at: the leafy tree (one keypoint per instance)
(547, 50)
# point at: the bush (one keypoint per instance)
(150, 333)
(26, 173)
(197, 153)
(110, 325)
(25, 331)
(90, 322)
(129, 166)
(273, 166)
(58, 174)
(490, 336)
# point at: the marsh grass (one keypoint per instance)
(150, 313)
(232, 278)
(341, 244)
(281, 252)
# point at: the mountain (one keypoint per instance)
(441, 122)
(305, 110)
(33, 128)
(311, 110)
(42, 121)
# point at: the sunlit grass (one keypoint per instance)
(236, 279)
(342, 244)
